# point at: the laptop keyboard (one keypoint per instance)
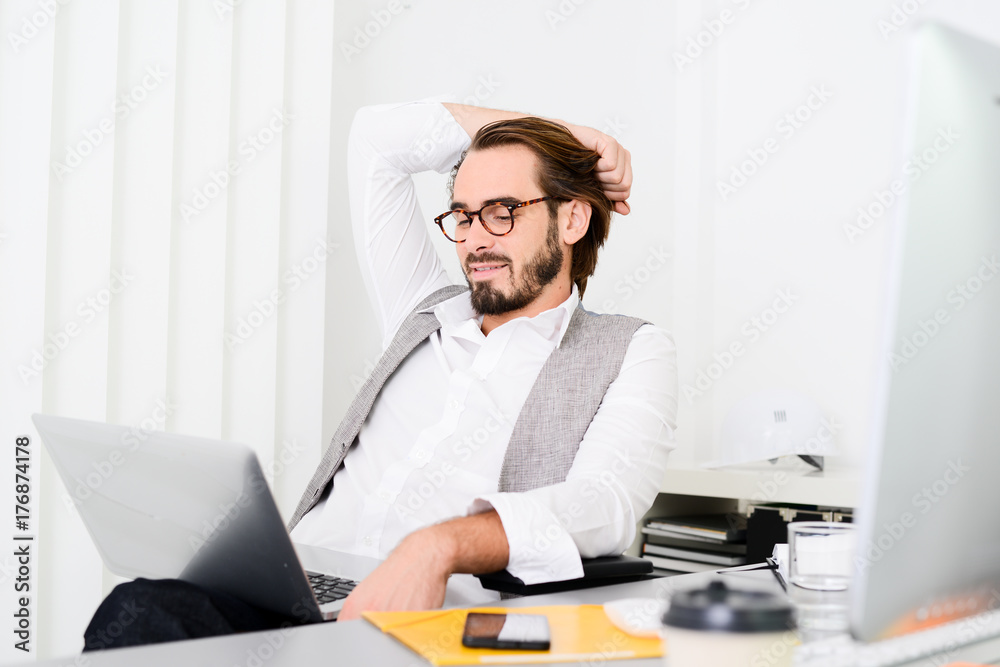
(329, 588)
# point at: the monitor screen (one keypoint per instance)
(929, 521)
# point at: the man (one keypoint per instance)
(504, 427)
(530, 208)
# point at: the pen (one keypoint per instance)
(777, 574)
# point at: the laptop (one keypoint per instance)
(194, 509)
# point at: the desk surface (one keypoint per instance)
(360, 643)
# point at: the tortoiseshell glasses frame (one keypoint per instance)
(491, 216)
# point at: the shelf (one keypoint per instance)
(836, 488)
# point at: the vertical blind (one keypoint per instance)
(164, 243)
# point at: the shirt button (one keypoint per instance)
(367, 541)
(455, 405)
(385, 496)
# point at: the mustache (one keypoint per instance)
(486, 257)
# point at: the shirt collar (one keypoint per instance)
(551, 323)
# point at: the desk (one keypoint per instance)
(359, 643)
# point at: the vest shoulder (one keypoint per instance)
(591, 318)
(440, 295)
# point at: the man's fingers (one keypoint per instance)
(613, 163)
(614, 168)
(614, 157)
(617, 182)
(617, 187)
(349, 611)
(626, 183)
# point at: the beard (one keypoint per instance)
(526, 285)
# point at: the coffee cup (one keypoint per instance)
(719, 625)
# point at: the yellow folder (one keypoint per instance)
(579, 632)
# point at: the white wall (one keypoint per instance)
(689, 124)
(608, 64)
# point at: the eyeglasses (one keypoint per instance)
(497, 219)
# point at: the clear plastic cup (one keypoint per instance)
(820, 554)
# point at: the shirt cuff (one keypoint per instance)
(540, 548)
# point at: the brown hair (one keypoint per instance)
(566, 170)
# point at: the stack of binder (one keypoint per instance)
(695, 543)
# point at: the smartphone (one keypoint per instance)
(529, 632)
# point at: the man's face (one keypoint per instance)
(506, 273)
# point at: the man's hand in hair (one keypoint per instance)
(615, 167)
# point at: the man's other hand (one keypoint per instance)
(413, 577)
(615, 166)
(415, 574)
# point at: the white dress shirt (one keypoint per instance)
(434, 442)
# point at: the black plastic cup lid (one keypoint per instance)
(722, 609)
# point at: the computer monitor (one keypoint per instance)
(929, 520)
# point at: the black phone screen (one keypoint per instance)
(529, 632)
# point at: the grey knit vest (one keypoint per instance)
(562, 402)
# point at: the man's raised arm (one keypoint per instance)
(387, 145)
